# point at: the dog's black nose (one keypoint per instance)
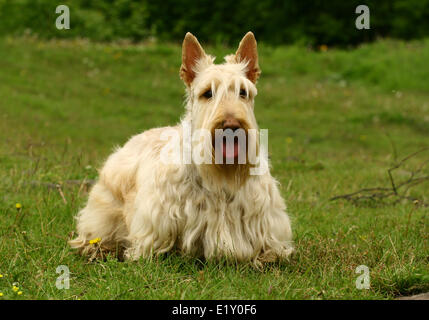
(231, 123)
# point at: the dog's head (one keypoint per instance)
(220, 101)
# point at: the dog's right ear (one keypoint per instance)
(247, 51)
(191, 53)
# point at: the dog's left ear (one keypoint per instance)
(248, 51)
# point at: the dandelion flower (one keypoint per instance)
(19, 293)
(18, 206)
(1, 294)
(94, 241)
(1, 276)
(15, 288)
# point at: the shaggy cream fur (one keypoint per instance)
(146, 206)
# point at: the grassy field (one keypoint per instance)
(337, 121)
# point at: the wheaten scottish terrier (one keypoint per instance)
(188, 188)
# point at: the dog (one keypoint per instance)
(143, 205)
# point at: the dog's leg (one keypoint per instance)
(277, 243)
(101, 218)
(152, 230)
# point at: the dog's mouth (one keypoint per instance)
(230, 149)
(229, 145)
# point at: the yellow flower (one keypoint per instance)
(94, 241)
(323, 48)
(1, 294)
(18, 206)
(19, 293)
(15, 288)
(1, 276)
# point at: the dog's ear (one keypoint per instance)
(191, 53)
(248, 51)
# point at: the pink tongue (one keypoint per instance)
(233, 149)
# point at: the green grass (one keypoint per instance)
(332, 118)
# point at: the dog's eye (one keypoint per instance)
(208, 94)
(243, 93)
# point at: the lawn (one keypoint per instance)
(337, 120)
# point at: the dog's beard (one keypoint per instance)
(231, 160)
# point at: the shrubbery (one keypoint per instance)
(308, 22)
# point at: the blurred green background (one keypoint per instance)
(277, 22)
